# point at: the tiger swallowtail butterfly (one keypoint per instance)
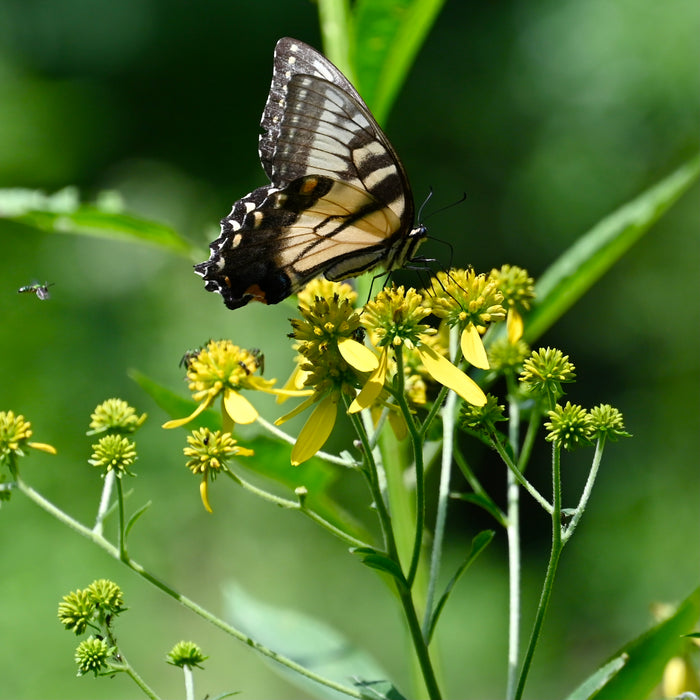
(338, 203)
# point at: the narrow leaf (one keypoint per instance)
(379, 690)
(389, 35)
(484, 502)
(595, 682)
(585, 262)
(479, 543)
(135, 517)
(62, 212)
(649, 653)
(377, 560)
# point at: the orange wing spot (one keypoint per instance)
(227, 279)
(310, 184)
(257, 293)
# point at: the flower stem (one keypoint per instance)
(187, 602)
(581, 507)
(417, 444)
(104, 501)
(296, 505)
(448, 429)
(419, 644)
(548, 585)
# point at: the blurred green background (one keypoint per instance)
(548, 115)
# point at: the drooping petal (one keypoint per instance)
(295, 412)
(43, 447)
(514, 325)
(357, 355)
(239, 408)
(374, 385)
(450, 376)
(473, 347)
(316, 430)
(183, 421)
(204, 493)
(294, 383)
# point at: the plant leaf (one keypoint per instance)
(596, 681)
(479, 543)
(62, 212)
(389, 34)
(585, 262)
(310, 642)
(135, 516)
(650, 652)
(378, 560)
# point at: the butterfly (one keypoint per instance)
(338, 203)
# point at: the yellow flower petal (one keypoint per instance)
(43, 447)
(294, 383)
(183, 421)
(473, 347)
(373, 387)
(358, 355)
(316, 430)
(301, 407)
(239, 408)
(204, 493)
(514, 326)
(447, 374)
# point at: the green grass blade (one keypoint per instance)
(63, 212)
(649, 653)
(585, 262)
(389, 34)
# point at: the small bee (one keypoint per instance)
(41, 290)
(187, 358)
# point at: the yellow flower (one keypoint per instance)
(518, 290)
(393, 320)
(15, 432)
(331, 358)
(471, 302)
(208, 452)
(223, 369)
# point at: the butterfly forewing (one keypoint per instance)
(339, 202)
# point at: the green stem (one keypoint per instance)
(186, 602)
(375, 490)
(296, 505)
(521, 478)
(581, 507)
(419, 644)
(417, 445)
(514, 558)
(448, 430)
(130, 671)
(548, 584)
(121, 536)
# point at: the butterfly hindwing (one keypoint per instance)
(339, 202)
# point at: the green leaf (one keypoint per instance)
(310, 642)
(388, 36)
(595, 682)
(271, 459)
(380, 561)
(62, 212)
(132, 520)
(585, 262)
(483, 502)
(379, 690)
(649, 654)
(479, 543)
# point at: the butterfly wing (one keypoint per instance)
(339, 202)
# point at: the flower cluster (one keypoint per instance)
(208, 452)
